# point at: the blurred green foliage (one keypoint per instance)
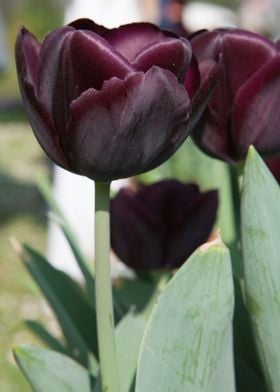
(39, 16)
(21, 216)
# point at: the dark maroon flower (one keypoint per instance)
(244, 108)
(160, 225)
(107, 103)
(274, 166)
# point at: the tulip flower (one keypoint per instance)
(160, 225)
(274, 166)
(244, 108)
(110, 104)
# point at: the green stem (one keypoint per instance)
(103, 291)
(235, 174)
(234, 178)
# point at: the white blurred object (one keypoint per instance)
(75, 197)
(73, 193)
(110, 13)
(199, 15)
(261, 16)
(254, 15)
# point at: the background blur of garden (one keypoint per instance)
(22, 211)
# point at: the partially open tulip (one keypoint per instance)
(244, 109)
(109, 104)
(160, 225)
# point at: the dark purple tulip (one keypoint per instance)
(274, 166)
(160, 225)
(107, 103)
(244, 108)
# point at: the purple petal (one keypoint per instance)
(131, 39)
(192, 78)
(136, 234)
(194, 230)
(274, 166)
(129, 126)
(187, 216)
(27, 53)
(94, 60)
(171, 53)
(243, 53)
(169, 199)
(65, 87)
(209, 134)
(210, 131)
(96, 117)
(202, 96)
(49, 65)
(255, 118)
(43, 126)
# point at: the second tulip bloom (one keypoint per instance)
(244, 108)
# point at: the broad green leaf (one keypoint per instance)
(247, 361)
(129, 333)
(75, 315)
(49, 371)
(260, 209)
(187, 344)
(46, 191)
(53, 343)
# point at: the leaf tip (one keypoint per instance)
(19, 351)
(16, 245)
(252, 154)
(215, 241)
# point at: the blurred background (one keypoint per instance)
(22, 211)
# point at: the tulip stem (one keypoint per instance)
(103, 289)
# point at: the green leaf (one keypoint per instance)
(38, 329)
(260, 209)
(49, 371)
(247, 380)
(247, 361)
(133, 294)
(187, 344)
(46, 191)
(75, 315)
(129, 333)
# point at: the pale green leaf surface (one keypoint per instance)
(129, 333)
(49, 371)
(260, 211)
(187, 344)
(74, 314)
(52, 342)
